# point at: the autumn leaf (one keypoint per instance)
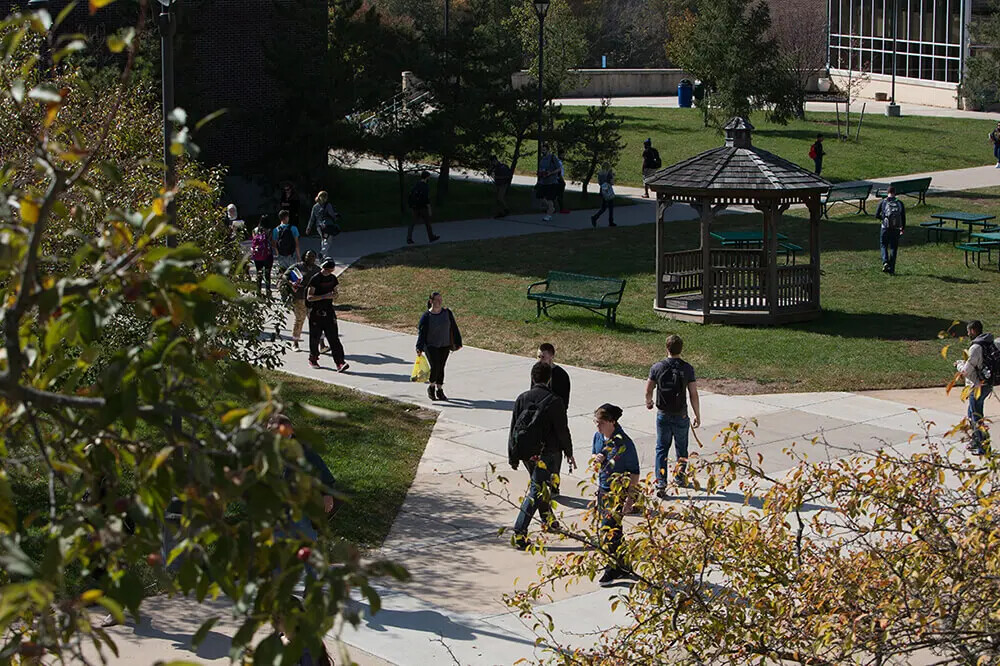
(29, 211)
(98, 4)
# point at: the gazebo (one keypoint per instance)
(741, 281)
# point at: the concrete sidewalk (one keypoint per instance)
(447, 531)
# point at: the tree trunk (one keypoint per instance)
(444, 175)
(518, 141)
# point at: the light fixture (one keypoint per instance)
(541, 7)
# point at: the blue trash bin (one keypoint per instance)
(685, 93)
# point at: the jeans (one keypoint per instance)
(611, 527)
(819, 164)
(671, 427)
(437, 357)
(422, 213)
(537, 497)
(502, 198)
(976, 407)
(996, 151)
(324, 323)
(889, 242)
(606, 205)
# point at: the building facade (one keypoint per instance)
(926, 42)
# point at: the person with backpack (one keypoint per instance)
(420, 204)
(673, 380)
(606, 181)
(502, 176)
(982, 373)
(816, 153)
(289, 201)
(323, 219)
(560, 385)
(322, 317)
(437, 336)
(892, 214)
(539, 436)
(995, 140)
(262, 255)
(285, 242)
(651, 163)
(616, 457)
(549, 168)
(297, 278)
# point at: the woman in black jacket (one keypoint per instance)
(437, 336)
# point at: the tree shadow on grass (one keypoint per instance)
(877, 325)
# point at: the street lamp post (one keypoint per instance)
(893, 108)
(44, 56)
(168, 27)
(541, 9)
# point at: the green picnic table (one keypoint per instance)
(985, 241)
(958, 217)
(743, 238)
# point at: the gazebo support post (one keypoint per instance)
(815, 213)
(660, 209)
(771, 253)
(706, 256)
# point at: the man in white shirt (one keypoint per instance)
(980, 372)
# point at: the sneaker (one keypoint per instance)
(434, 238)
(612, 224)
(682, 481)
(997, 166)
(108, 621)
(662, 493)
(519, 541)
(409, 241)
(431, 393)
(977, 449)
(611, 574)
(295, 345)
(593, 221)
(343, 367)
(885, 268)
(553, 528)
(440, 394)
(547, 218)
(314, 364)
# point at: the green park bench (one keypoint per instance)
(977, 249)
(914, 187)
(846, 193)
(600, 295)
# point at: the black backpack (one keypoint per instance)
(414, 200)
(657, 162)
(893, 213)
(528, 430)
(670, 386)
(990, 371)
(286, 241)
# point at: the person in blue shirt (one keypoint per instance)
(614, 455)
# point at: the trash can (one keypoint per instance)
(699, 90)
(685, 93)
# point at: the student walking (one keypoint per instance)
(437, 336)
(892, 214)
(298, 277)
(651, 163)
(539, 436)
(323, 218)
(673, 380)
(322, 318)
(560, 385)
(982, 372)
(502, 176)
(289, 202)
(549, 168)
(285, 242)
(816, 153)
(995, 140)
(606, 181)
(420, 205)
(262, 256)
(617, 463)
(235, 227)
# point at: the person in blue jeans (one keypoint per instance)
(616, 458)
(673, 381)
(891, 214)
(978, 370)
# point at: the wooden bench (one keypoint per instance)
(600, 295)
(914, 187)
(977, 249)
(847, 193)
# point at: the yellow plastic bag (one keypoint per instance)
(421, 370)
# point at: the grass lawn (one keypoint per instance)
(888, 146)
(370, 200)
(877, 331)
(373, 454)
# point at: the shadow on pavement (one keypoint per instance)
(215, 645)
(431, 622)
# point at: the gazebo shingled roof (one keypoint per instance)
(737, 285)
(736, 166)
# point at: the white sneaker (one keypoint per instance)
(997, 166)
(547, 218)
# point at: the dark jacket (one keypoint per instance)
(556, 438)
(456, 335)
(560, 384)
(420, 195)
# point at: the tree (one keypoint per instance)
(592, 141)
(981, 84)
(396, 138)
(127, 430)
(874, 558)
(800, 29)
(727, 45)
(565, 45)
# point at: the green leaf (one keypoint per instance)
(45, 92)
(322, 412)
(112, 607)
(209, 118)
(14, 560)
(161, 458)
(221, 285)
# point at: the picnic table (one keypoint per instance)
(958, 217)
(986, 241)
(743, 238)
